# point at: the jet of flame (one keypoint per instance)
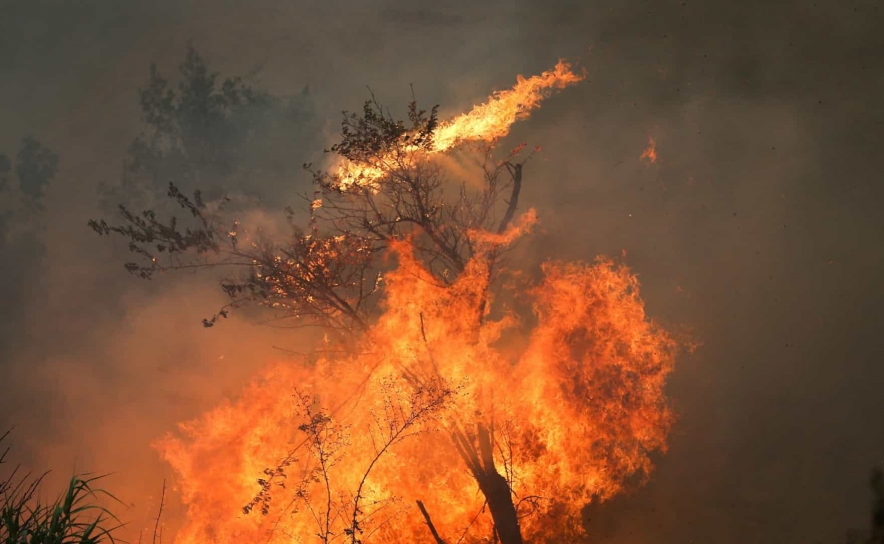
(486, 122)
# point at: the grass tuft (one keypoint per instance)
(74, 518)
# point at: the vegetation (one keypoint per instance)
(215, 134)
(22, 183)
(25, 175)
(73, 518)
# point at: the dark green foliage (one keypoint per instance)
(217, 135)
(22, 185)
(35, 167)
(196, 131)
(147, 234)
(374, 133)
(73, 518)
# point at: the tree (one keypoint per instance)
(391, 215)
(323, 273)
(218, 135)
(35, 167)
(22, 186)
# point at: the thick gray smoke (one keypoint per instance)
(758, 225)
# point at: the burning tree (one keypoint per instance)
(436, 407)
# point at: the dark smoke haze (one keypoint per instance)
(759, 226)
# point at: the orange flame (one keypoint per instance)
(486, 122)
(650, 154)
(575, 411)
(492, 120)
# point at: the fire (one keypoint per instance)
(650, 154)
(492, 120)
(486, 122)
(575, 412)
(569, 401)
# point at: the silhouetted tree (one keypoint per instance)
(21, 195)
(217, 135)
(35, 167)
(22, 247)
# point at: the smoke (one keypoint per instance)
(757, 225)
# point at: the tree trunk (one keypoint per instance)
(494, 486)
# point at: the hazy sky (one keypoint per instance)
(759, 226)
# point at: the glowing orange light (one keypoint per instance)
(650, 153)
(488, 121)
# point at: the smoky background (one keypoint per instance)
(758, 226)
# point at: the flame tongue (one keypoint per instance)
(486, 122)
(493, 119)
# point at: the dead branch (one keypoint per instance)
(156, 527)
(429, 523)
(516, 172)
(401, 420)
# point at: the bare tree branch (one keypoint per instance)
(429, 523)
(156, 527)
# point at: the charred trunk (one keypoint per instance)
(492, 484)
